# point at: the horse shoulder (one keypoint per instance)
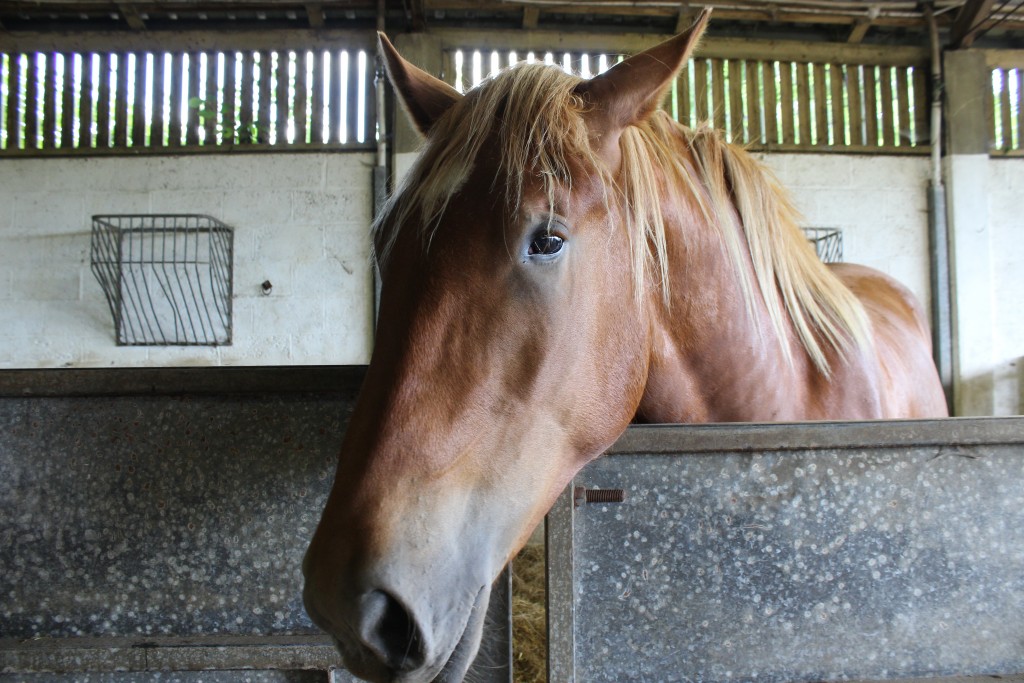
(907, 378)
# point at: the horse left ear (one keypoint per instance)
(424, 97)
(632, 89)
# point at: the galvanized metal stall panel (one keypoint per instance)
(794, 553)
(165, 533)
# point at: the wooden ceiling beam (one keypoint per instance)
(687, 15)
(969, 22)
(131, 16)
(859, 30)
(710, 47)
(531, 18)
(974, 17)
(315, 14)
(417, 16)
(187, 41)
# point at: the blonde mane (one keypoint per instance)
(539, 125)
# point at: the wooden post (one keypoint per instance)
(771, 121)
(837, 82)
(786, 98)
(87, 108)
(700, 90)
(870, 106)
(853, 90)
(103, 113)
(736, 108)
(121, 102)
(316, 119)
(158, 126)
(889, 133)
(718, 92)
(820, 106)
(264, 95)
(138, 130)
(67, 109)
(244, 119)
(191, 112)
(174, 123)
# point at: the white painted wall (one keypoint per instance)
(879, 202)
(1006, 217)
(881, 205)
(301, 221)
(987, 223)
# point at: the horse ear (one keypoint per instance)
(424, 97)
(632, 89)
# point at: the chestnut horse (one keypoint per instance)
(562, 260)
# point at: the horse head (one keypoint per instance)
(511, 348)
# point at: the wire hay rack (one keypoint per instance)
(828, 243)
(167, 278)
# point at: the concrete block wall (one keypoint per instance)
(879, 203)
(301, 221)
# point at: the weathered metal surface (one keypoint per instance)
(802, 553)
(73, 656)
(561, 612)
(161, 515)
(274, 676)
(135, 520)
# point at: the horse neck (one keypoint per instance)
(713, 357)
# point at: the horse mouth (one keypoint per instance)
(454, 670)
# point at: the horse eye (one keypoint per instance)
(545, 244)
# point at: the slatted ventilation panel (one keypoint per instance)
(778, 104)
(762, 103)
(1007, 111)
(139, 101)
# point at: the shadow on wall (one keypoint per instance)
(975, 395)
(1020, 386)
(997, 392)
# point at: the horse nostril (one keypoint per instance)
(389, 631)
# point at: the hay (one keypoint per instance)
(529, 616)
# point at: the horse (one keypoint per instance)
(563, 260)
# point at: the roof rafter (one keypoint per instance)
(969, 22)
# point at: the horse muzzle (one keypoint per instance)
(385, 637)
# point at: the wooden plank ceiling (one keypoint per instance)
(962, 23)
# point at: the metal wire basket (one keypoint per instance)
(828, 243)
(167, 278)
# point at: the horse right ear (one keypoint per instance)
(424, 97)
(629, 91)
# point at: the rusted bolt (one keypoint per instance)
(584, 495)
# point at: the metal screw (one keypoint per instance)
(585, 495)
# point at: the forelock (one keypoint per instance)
(533, 112)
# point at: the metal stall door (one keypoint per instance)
(161, 536)
(808, 552)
